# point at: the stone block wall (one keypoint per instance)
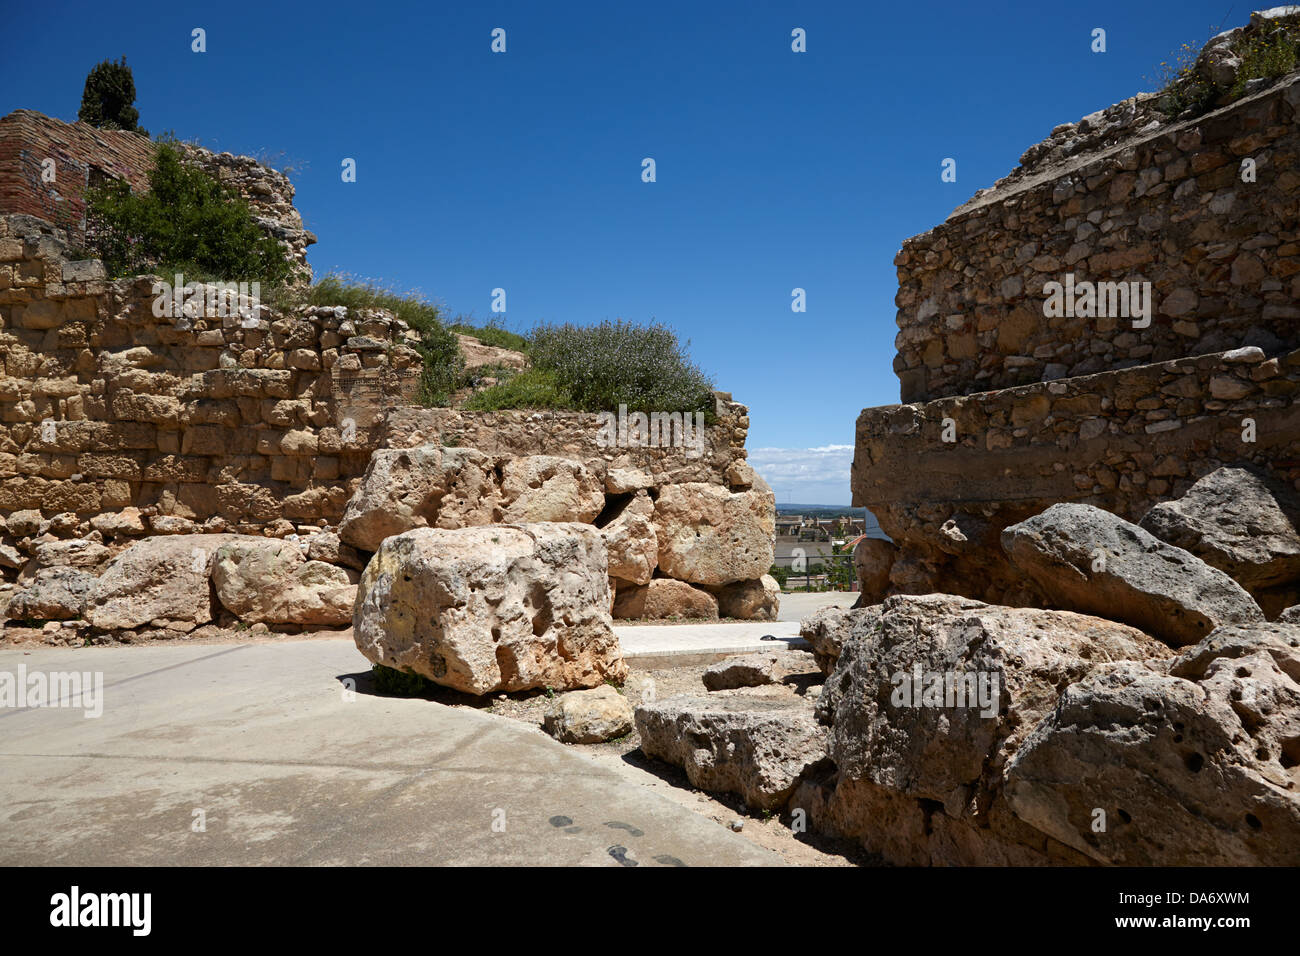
(104, 405)
(1121, 196)
(1121, 440)
(575, 435)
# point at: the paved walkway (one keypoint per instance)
(678, 644)
(261, 741)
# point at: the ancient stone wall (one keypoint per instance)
(1122, 196)
(78, 151)
(576, 435)
(1122, 440)
(1011, 410)
(82, 156)
(117, 422)
(104, 405)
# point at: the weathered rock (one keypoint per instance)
(124, 523)
(1291, 615)
(743, 670)
(54, 594)
(327, 547)
(756, 746)
(709, 535)
(263, 580)
(630, 539)
(426, 486)
(479, 355)
(163, 577)
(619, 481)
(662, 599)
(828, 629)
(24, 523)
(751, 600)
(1187, 773)
(548, 488)
(74, 553)
(588, 716)
(1279, 640)
(495, 608)
(10, 557)
(926, 711)
(1231, 520)
(1089, 560)
(873, 559)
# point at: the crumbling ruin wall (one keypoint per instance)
(104, 405)
(46, 165)
(1122, 196)
(577, 435)
(1009, 411)
(117, 423)
(1122, 440)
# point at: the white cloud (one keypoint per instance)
(806, 475)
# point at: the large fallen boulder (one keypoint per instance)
(159, 578)
(1090, 560)
(926, 709)
(664, 599)
(709, 535)
(425, 486)
(1136, 768)
(548, 488)
(759, 747)
(493, 608)
(1233, 521)
(758, 669)
(265, 580)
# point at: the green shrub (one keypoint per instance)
(533, 388)
(107, 97)
(187, 222)
(614, 363)
(443, 364)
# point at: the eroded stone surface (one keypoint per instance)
(1092, 561)
(755, 746)
(500, 607)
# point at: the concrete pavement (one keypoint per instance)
(797, 605)
(265, 745)
(684, 644)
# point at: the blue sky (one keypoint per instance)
(522, 170)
